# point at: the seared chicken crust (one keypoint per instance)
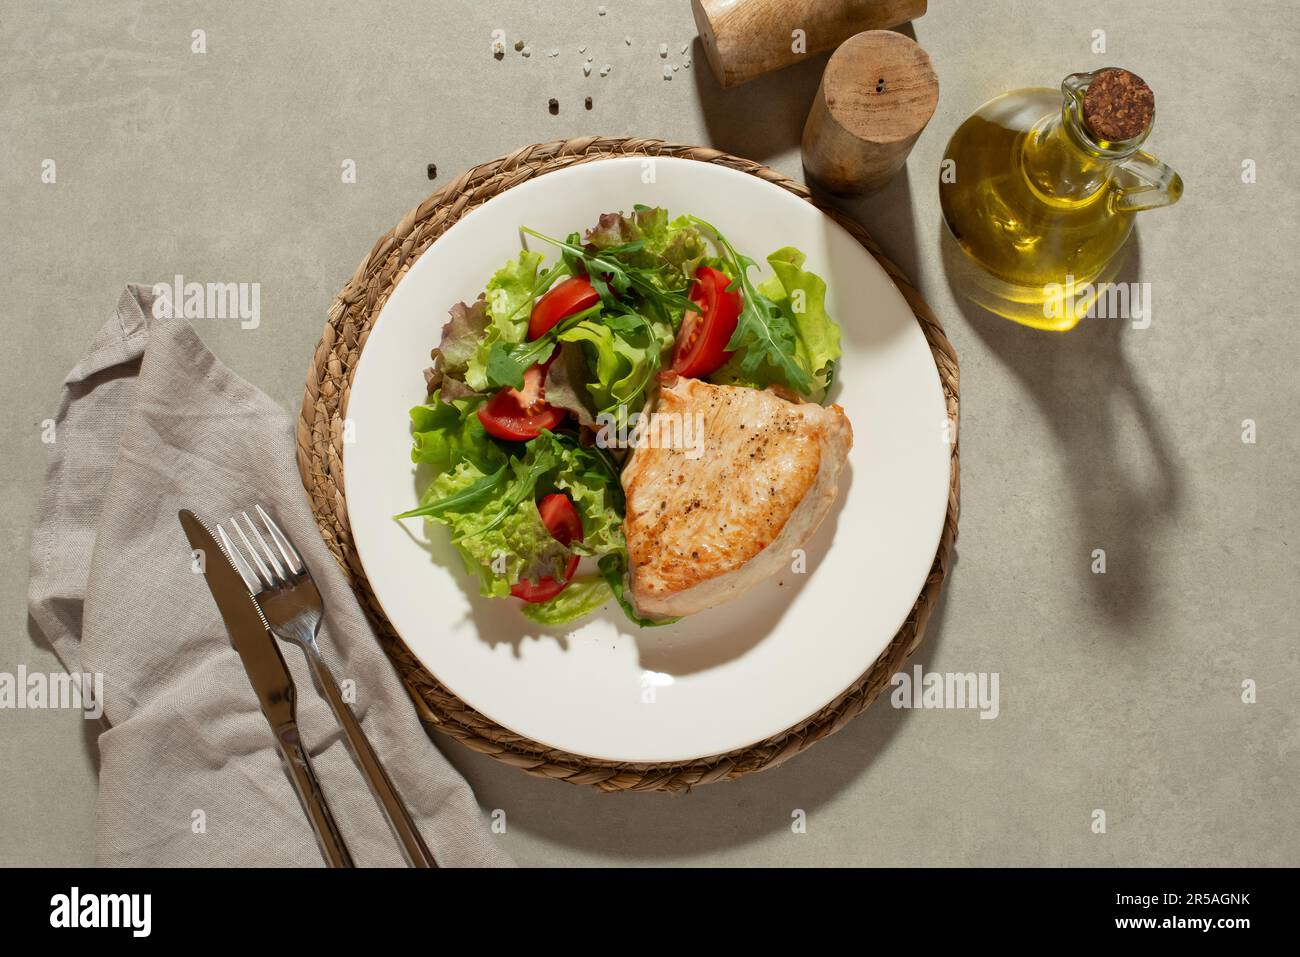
(705, 525)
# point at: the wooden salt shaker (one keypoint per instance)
(744, 39)
(876, 96)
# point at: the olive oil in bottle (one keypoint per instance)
(1037, 195)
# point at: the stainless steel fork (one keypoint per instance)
(282, 586)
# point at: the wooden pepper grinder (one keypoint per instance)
(876, 96)
(744, 39)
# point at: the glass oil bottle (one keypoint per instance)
(1041, 201)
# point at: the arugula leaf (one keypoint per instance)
(801, 297)
(672, 250)
(573, 260)
(513, 549)
(457, 501)
(502, 369)
(506, 364)
(607, 270)
(763, 333)
(539, 458)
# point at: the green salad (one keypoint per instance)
(524, 377)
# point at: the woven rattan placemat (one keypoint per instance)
(320, 460)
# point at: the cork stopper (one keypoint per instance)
(1118, 106)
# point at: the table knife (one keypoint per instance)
(271, 682)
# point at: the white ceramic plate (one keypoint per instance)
(728, 677)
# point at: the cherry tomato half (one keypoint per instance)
(562, 521)
(566, 298)
(518, 416)
(560, 518)
(704, 334)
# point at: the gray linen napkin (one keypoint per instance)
(151, 422)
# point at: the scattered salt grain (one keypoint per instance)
(527, 51)
(586, 68)
(674, 67)
(600, 11)
(668, 72)
(687, 63)
(553, 52)
(663, 50)
(685, 47)
(627, 40)
(604, 70)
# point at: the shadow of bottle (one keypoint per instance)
(1083, 383)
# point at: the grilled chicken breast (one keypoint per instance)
(713, 515)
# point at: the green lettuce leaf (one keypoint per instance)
(509, 293)
(591, 481)
(508, 290)
(487, 501)
(582, 597)
(508, 364)
(801, 296)
(443, 434)
(625, 350)
(500, 541)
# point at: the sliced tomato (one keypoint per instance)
(563, 522)
(566, 298)
(560, 518)
(519, 415)
(702, 339)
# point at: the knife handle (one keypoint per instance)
(305, 783)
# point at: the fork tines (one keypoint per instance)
(266, 570)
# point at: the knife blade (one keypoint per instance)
(248, 630)
(270, 678)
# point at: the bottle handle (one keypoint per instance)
(1157, 185)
